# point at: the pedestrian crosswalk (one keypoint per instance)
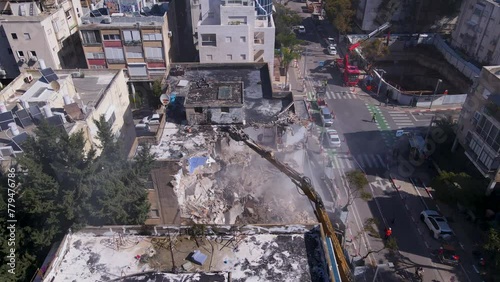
(365, 161)
(401, 119)
(341, 95)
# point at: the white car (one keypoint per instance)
(333, 138)
(437, 224)
(330, 41)
(332, 50)
(302, 29)
(152, 119)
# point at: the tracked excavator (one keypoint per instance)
(304, 183)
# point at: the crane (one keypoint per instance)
(351, 73)
(304, 183)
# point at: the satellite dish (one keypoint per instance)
(165, 99)
(55, 85)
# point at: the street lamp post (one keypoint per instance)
(435, 91)
(380, 82)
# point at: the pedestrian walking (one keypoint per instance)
(388, 233)
(373, 117)
(386, 101)
(419, 272)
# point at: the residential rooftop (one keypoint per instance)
(215, 93)
(172, 253)
(495, 70)
(117, 14)
(259, 104)
(26, 96)
(28, 11)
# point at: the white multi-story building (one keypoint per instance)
(478, 30)
(232, 31)
(40, 30)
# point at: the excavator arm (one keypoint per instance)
(304, 183)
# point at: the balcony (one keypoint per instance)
(493, 110)
(153, 59)
(115, 61)
(480, 154)
(132, 43)
(91, 43)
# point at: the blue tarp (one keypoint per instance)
(196, 162)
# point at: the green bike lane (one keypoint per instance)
(382, 124)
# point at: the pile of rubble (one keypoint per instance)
(238, 186)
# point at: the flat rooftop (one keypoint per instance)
(232, 253)
(259, 104)
(215, 93)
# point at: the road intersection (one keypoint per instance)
(366, 146)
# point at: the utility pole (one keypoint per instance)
(380, 83)
(430, 127)
(435, 91)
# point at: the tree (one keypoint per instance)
(357, 182)
(341, 13)
(369, 226)
(62, 186)
(285, 19)
(157, 89)
(492, 245)
(288, 55)
(453, 187)
(374, 49)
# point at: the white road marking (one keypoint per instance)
(427, 245)
(368, 160)
(380, 160)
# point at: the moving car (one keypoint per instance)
(326, 117)
(302, 29)
(332, 50)
(152, 119)
(333, 138)
(437, 224)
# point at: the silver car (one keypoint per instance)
(333, 138)
(326, 117)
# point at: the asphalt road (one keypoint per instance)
(366, 146)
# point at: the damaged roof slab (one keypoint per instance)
(243, 253)
(215, 94)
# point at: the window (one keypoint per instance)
(10, 51)
(114, 54)
(32, 53)
(154, 53)
(135, 54)
(229, 57)
(113, 37)
(131, 36)
(94, 55)
(154, 213)
(91, 36)
(209, 58)
(68, 15)
(224, 110)
(208, 40)
(228, 39)
(27, 36)
(96, 67)
(243, 56)
(20, 54)
(258, 37)
(243, 39)
(14, 36)
(198, 110)
(152, 36)
(237, 20)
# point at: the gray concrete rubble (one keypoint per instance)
(235, 185)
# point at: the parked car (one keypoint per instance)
(326, 117)
(302, 29)
(330, 41)
(332, 50)
(437, 224)
(142, 128)
(152, 119)
(333, 138)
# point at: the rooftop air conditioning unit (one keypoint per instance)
(107, 20)
(34, 58)
(28, 78)
(22, 60)
(169, 34)
(86, 22)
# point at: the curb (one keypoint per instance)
(435, 110)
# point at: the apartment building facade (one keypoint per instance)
(124, 39)
(36, 31)
(479, 125)
(478, 30)
(235, 31)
